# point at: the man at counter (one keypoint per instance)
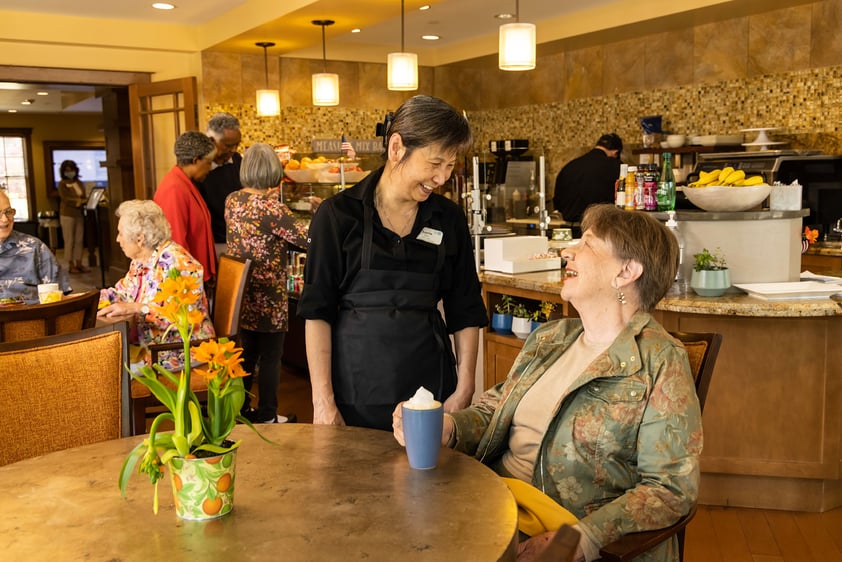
(25, 261)
(588, 179)
(224, 177)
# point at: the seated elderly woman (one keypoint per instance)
(143, 233)
(599, 412)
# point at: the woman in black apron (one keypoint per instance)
(383, 255)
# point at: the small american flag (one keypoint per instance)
(347, 149)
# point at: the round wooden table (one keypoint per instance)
(326, 493)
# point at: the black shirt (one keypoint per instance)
(219, 183)
(333, 258)
(584, 181)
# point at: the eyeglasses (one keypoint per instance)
(8, 212)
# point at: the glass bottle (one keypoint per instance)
(650, 187)
(666, 185)
(620, 187)
(631, 186)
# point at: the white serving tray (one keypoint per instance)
(791, 290)
(528, 265)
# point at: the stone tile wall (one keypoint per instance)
(781, 68)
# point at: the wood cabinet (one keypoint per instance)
(500, 350)
(817, 263)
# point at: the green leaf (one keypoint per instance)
(129, 465)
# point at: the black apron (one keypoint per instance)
(388, 340)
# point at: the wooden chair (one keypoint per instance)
(232, 280)
(702, 350)
(70, 314)
(63, 391)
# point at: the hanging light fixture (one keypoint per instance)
(402, 74)
(268, 101)
(325, 84)
(517, 44)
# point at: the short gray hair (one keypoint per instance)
(144, 216)
(192, 145)
(261, 168)
(221, 122)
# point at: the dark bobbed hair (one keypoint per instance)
(192, 145)
(68, 165)
(641, 237)
(261, 168)
(424, 120)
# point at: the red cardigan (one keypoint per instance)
(189, 218)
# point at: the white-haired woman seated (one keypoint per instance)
(143, 233)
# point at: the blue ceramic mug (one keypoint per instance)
(422, 435)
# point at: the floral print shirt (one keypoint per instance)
(622, 449)
(259, 227)
(141, 285)
(25, 262)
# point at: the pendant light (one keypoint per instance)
(325, 84)
(268, 101)
(402, 74)
(517, 44)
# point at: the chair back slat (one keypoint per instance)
(702, 351)
(232, 278)
(71, 314)
(63, 391)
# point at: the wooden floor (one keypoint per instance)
(731, 534)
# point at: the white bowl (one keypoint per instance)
(674, 141)
(727, 198)
(302, 176)
(350, 177)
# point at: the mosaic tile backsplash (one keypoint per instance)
(759, 74)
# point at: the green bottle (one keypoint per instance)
(666, 185)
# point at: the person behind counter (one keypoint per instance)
(25, 261)
(143, 233)
(599, 412)
(183, 206)
(588, 179)
(382, 255)
(72, 215)
(260, 227)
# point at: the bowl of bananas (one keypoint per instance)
(727, 190)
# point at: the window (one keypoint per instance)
(15, 171)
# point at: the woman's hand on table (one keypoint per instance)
(447, 427)
(119, 311)
(327, 414)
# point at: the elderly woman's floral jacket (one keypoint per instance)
(622, 449)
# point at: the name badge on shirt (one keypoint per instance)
(430, 235)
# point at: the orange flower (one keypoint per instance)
(811, 235)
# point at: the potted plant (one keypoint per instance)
(542, 313)
(198, 452)
(521, 321)
(710, 273)
(501, 320)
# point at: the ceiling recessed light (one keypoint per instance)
(42, 93)
(504, 16)
(356, 30)
(424, 7)
(163, 6)
(13, 111)
(26, 102)
(430, 37)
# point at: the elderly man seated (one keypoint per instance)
(25, 261)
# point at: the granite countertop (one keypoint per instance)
(730, 304)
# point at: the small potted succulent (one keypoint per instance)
(542, 313)
(521, 321)
(710, 273)
(501, 319)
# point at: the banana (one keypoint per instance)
(725, 173)
(733, 177)
(753, 180)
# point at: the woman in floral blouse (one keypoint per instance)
(261, 227)
(600, 412)
(144, 236)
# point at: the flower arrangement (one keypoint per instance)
(505, 305)
(194, 434)
(705, 261)
(519, 310)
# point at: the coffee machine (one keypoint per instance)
(511, 181)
